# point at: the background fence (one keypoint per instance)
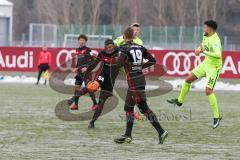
(153, 37)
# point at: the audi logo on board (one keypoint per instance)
(177, 62)
(174, 60)
(67, 55)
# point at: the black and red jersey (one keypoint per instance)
(108, 68)
(108, 59)
(82, 50)
(83, 56)
(132, 58)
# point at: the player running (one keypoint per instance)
(210, 67)
(83, 59)
(131, 59)
(105, 76)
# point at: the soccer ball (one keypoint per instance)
(93, 86)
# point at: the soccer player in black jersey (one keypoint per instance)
(105, 75)
(83, 57)
(131, 58)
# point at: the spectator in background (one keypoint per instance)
(43, 63)
(136, 31)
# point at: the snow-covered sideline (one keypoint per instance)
(18, 79)
(199, 85)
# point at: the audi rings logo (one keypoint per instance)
(68, 56)
(180, 59)
(65, 55)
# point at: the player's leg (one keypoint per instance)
(197, 73)
(106, 92)
(150, 115)
(184, 90)
(104, 95)
(140, 99)
(129, 110)
(46, 67)
(75, 99)
(129, 101)
(77, 87)
(73, 102)
(212, 76)
(93, 97)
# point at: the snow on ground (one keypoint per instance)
(17, 79)
(199, 85)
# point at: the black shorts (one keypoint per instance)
(136, 89)
(43, 67)
(138, 95)
(105, 82)
(78, 80)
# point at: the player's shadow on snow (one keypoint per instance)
(63, 112)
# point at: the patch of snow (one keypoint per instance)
(5, 3)
(177, 83)
(200, 85)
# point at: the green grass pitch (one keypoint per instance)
(29, 128)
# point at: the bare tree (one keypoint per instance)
(116, 11)
(95, 5)
(160, 6)
(147, 12)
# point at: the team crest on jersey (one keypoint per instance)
(83, 51)
(101, 78)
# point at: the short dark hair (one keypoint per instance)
(135, 24)
(83, 36)
(212, 24)
(128, 33)
(108, 41)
